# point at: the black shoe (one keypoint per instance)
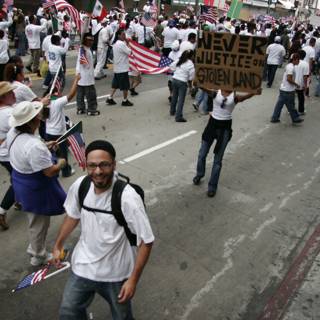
(29, 68)
(134, 92)
(211, 194)
(275, 120)
(127, 103)
(39, 74)
(93, 113)
(181, 120)
(299, 120)
(80, 111)
(110, 102)
(196, 180)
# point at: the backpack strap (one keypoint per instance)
(84, 189)
(117, 211)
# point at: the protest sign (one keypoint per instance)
(230, 62)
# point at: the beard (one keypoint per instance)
(102, 181)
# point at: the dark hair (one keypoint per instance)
(186, 55)
(11, 72)
(312, 41)
(15, 59)
(101, 145)
(1, 34)
(302, 54)
(117, 36)
(85, 36)
(32, 18)
(25, 128)
(55, 39)
(294, 56)
(192, 36)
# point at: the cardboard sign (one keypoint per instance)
(230, 62)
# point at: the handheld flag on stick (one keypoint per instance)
(76, 143)
(40, 275)
(56, 81)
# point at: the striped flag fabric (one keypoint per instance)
(83, 57)
(215, 3)
(73, 12)
(48, 4)
(209, 14)
(147, 61)
(149, 19)
(77, 148)
(32, 279)
(235, 8)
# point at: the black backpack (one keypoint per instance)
(115, 202)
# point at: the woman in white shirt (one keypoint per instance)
(15, 75)
(34, 176)
(183, 75)
(219, 128)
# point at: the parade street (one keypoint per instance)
(224, 258)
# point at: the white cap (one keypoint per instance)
(277, 39)
(175, 45)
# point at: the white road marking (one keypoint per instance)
(286, 199)
(157, 147)
(197, 297)
(316, 153)
(98, 98)
(258, 231)
(266, 208)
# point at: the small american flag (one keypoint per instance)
(83, 58)
(32, 279)
(147, 61)
(47, 4)
(209, 14)
(77, 147)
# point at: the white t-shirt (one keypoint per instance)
(4, 46)
(5, 113)
(170, 35)
(28, 154)
(228, 103)
(103, 38)
(56, 124)
(22, 92)
(285, 85)
(33, 35)
(103, 252)
(54, 56)
(301, 70)
(187, 45)
(188, 31)
(45, 45)
(86, 70)
(275, 52)
(182, 33)
(310, 53)
(184, 72)
(141, 35)
(121, 54)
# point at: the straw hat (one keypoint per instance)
(5, 87)
(23, 112)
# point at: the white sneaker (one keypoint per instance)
(38, 261)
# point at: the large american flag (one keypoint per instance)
(149, 19)
(77, 147)
(147, 61)
(48, 4)
(209, 14)
(32, 279)
(73, 12)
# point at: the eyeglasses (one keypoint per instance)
(223, 103)
(104, 165)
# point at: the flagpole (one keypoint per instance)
(55, 80)
(66, 266)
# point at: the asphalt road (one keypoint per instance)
(219, 258)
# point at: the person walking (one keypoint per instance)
(103, 260)
(34, 176)
(86, 88)
(121, 52)
(287, 92)
(219, 128)
(183, 75)
(275, 55)
(33, 36)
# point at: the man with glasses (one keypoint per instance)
(103, 260)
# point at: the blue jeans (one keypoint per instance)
(79, 293)
(202, 98)
(179, 91)
(217, 161)
(285, 98)
(272, 69)
(21, 49)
